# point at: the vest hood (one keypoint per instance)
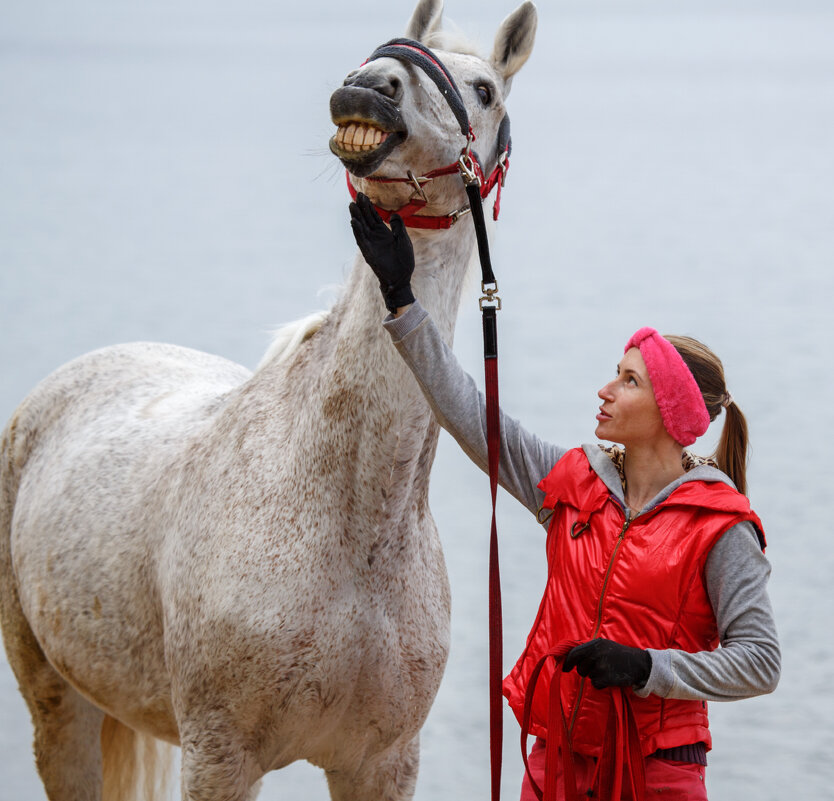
(586, 493)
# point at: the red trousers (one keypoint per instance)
(667, 780)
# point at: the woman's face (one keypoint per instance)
(629, 412)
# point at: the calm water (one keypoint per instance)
(164, 175)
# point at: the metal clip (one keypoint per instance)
(490, 296)
(470, 138)
(456, 215)
(418, 184)
(503, 166)
(467, 169)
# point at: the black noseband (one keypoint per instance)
(420, 55)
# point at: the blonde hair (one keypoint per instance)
(731, 453)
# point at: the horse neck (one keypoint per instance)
(361, 351)
(361, 416)
(441, 259)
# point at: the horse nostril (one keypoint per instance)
(388, 85)
(396, 87)
(391, 87)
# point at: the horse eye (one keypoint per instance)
(484, 93)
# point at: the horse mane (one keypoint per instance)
(287, 339)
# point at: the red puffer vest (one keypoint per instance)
(640, 583)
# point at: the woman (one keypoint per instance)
(654, 555)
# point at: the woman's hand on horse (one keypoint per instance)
(388, 251)
(609, 664)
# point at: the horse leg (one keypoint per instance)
(67, 743)
(387, 776)
(67, 727)
(215, 767)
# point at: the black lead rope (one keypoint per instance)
(476, 206)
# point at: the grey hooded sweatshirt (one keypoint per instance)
(748, 661)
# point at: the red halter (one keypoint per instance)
(418, 200)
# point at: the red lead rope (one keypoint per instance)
(496, 645)
(621, 758)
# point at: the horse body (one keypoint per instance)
(240, 563)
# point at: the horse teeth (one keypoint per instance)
(354, 137)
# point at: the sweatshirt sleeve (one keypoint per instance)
(460, 408)
(748, 661)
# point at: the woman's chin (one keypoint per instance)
(606, 436)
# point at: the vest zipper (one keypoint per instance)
(598, 623)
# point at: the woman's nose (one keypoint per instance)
(605, 393)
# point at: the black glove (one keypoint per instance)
(609, 664)
(387, 251)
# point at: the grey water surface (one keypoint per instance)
(164, 175)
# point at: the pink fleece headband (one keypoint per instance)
(680, 401)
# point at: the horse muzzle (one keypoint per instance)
(370, 127)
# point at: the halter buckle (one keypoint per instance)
(417, 183)
(490, 296)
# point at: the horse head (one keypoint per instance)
(397, 127)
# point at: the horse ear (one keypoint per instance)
(425, 20)
(514, 40)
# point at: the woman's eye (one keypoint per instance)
(484, 93)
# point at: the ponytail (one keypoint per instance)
(731, 453)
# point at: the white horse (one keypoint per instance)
(242, 564)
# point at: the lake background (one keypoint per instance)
(164, 175)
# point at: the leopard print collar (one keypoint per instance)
(617, 456)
